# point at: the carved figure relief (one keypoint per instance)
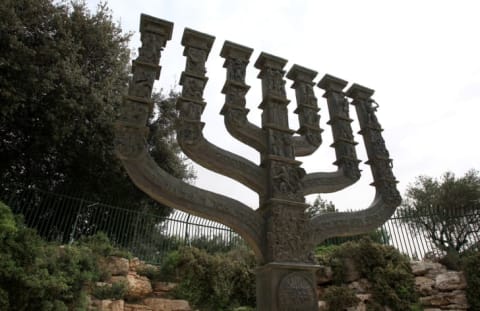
(193, 88)
(190, 111)
(287, 180)
(196, 61)
(134, 113)
(236, 69)
(378, 145)
(152, 44)
(313, 137)
(274, 82)
(281, 144)
(142, 82)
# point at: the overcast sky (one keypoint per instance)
(421, 57)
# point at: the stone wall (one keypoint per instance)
(439, 288)
(142, 294)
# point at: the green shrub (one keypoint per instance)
(340, 297)
(388, 271)
(221, 281)
(151, 272)
(116, 291)
(37, 275)
(471, 268)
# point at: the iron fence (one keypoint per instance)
(64, 219)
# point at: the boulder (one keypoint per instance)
(422, 268)
(324, 274)
(138, 287)
(424, 285)
(322, 305)
(114, 265)
(109, 305)
(136, 307)
(450, 280)
(162, 304)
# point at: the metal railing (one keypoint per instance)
(64, 219)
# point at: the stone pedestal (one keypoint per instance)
(283, 286)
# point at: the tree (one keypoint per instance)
(320, 206)
(446, 211)
(63, 72)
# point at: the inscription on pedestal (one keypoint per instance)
(295, 293)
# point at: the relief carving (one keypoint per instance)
(152, 45)
(142, 82)
(296, 293)
(371, 108)
(190, 111)
(236, 117)
(274, 82)
(189, 133)
(281, 144)
(196, 59)
(236, 69)
(287, 181)
(193, 88)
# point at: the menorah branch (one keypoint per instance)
(387, 197)
(234, 110)
(189, 128)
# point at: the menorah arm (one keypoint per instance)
(328, 182)
(329, 225)
(238, 126)
(304, 145)
(175, 193)
(200, 150)
(387, 197)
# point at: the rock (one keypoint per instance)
(421, 268)
(456, 300)
(324, 274)
(162, 304)
(114, 265)
(138, 286)
(424, 285)
(134, 263)
(450, 280)
(109, 305)
(322, 305)
(136, 307)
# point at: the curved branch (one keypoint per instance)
(218, 160)
(238, 126)
(328, 182)
(351, 223)
(304, 145)
(175, 193)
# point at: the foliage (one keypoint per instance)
(221, 281)
(383, 266)
(471, 267)
(63, 72)
(37, 275)
(116, 291)
(447, 211)
(339, 297)
(320, 206)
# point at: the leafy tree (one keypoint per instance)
(63, 72)
(447, 211)
(320, 206)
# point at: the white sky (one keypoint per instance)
(421, 57)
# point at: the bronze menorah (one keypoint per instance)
(279, 231)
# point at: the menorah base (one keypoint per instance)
(284, 286)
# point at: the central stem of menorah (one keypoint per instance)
(279, 231)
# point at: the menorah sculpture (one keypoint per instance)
(279, 231)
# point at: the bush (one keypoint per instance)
(116, 291)
(388, 271)
(340, 297)
(37, 275)
(471, 268)
(222, 281)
